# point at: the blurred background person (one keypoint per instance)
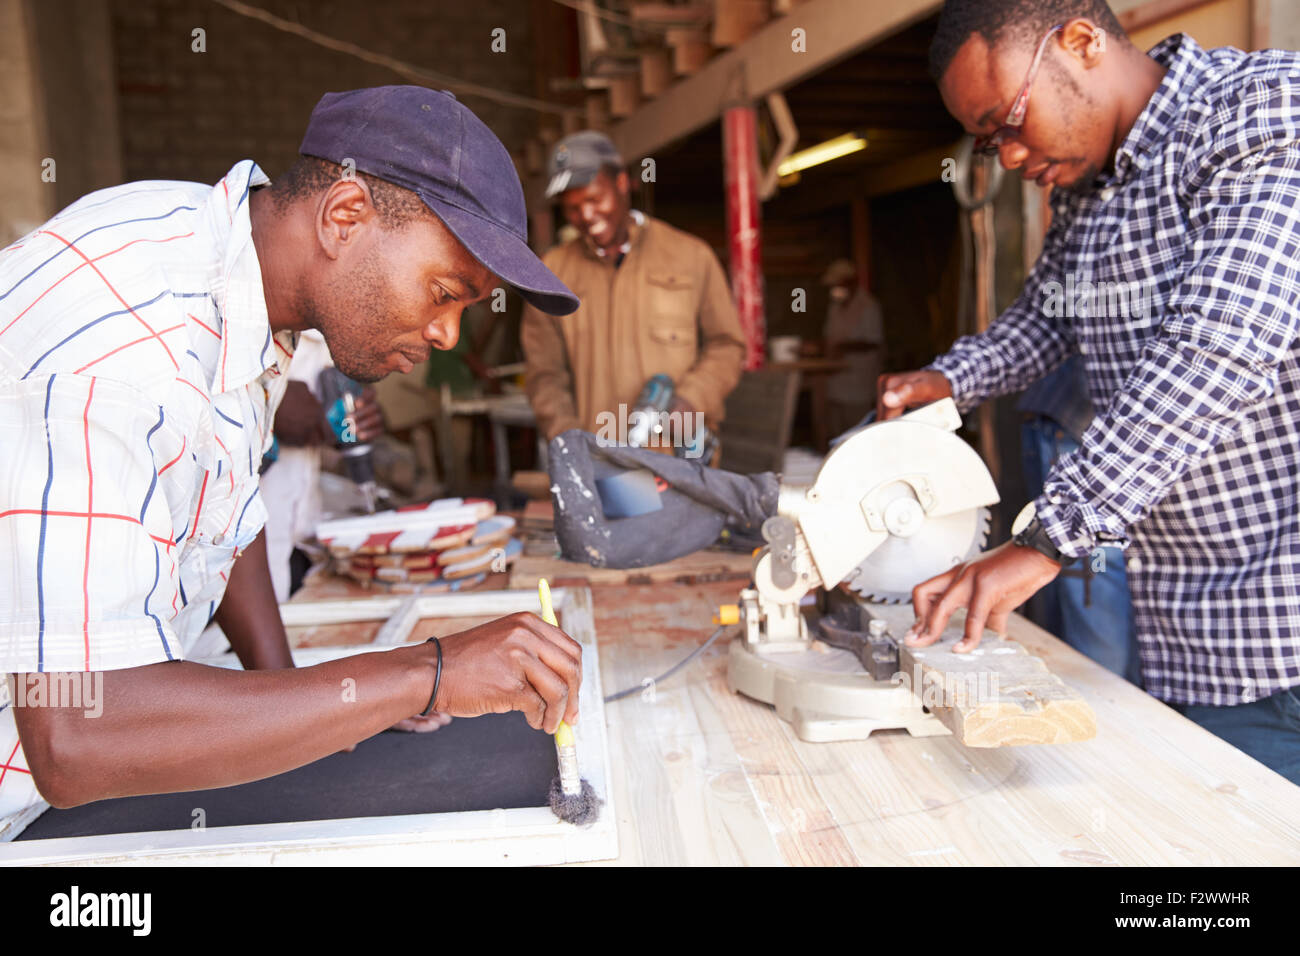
(290, 483)
(654, 301)
(854, 334)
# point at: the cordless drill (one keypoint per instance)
(339, 396)
(650, 416)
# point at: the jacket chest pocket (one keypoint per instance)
(671, 306)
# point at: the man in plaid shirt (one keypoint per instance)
(1172, 267)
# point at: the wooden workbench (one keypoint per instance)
(703, 776)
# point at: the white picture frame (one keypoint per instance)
(524, 836)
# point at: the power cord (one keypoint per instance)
(672, 670)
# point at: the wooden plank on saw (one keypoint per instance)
(997, 695)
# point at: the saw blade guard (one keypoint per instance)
(910, 488)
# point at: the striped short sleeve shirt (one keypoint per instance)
(138, 380)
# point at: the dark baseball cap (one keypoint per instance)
(430, 143)
(578, 158)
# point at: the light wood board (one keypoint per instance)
(997, 695)
(701, 776)
(706, 777)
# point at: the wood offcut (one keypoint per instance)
(997, 695)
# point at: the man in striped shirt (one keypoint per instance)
(1172, 267)
(145, 333)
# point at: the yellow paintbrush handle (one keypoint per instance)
(564, 734)
(548, 612)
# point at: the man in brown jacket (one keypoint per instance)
(654, 300)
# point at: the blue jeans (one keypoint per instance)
(1268, 729)
(1091, 612)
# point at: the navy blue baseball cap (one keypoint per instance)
(430, 143)
(578, 159)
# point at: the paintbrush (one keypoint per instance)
(572, 799)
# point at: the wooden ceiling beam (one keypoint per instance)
(767, 61)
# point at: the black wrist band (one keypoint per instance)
(1034, 535)
(437, 677)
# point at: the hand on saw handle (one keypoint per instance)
(900, 391)
(990, 587)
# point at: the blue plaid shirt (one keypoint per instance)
(1177, 279)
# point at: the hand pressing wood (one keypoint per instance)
(997, 695)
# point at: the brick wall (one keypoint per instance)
(188, 115)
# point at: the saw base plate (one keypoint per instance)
(825, 695)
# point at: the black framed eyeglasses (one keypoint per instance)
(991, 144)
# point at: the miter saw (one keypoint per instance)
(894, 504)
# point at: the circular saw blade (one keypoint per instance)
(889, 573)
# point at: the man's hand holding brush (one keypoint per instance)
(515, 663)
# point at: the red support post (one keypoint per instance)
(740, 163)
